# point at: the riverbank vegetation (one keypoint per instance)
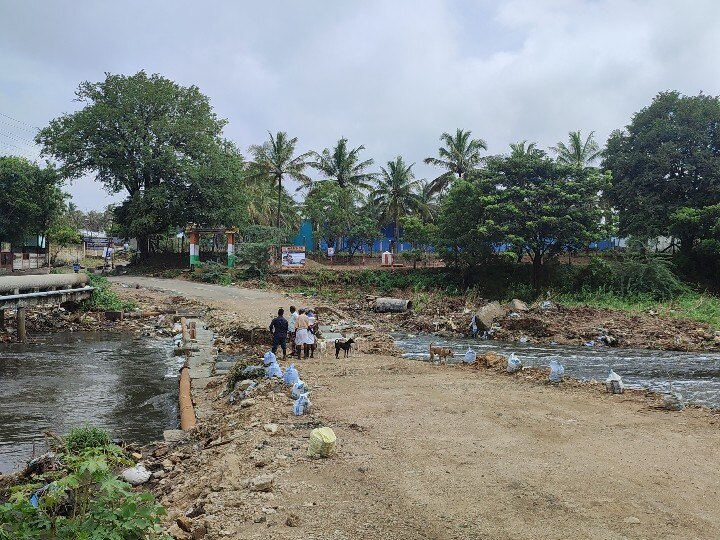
(500, 224)
(74, 492)
(104, 298)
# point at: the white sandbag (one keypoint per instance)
(291, 375)
(614, 383)
(557, 370)
(273, 370)
(298, 389)
(513, 364)
(302, 405)
(136, 475)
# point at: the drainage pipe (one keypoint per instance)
(397, 305)
(187, 412)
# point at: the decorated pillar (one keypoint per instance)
(231, 249)
(194, 248)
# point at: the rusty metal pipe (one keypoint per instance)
(187, 411)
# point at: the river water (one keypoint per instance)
(124, 383)
(695, 375)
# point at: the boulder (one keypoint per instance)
(518, 305)
(262, 483)
(487, 314)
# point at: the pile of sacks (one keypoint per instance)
(291, 378)
(322, 440)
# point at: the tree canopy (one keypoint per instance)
(275, 159)
(149, 137)
(30, 198)
(667, 158)
(459, 156)
(344, 166)
(577, 152)
(397, 194)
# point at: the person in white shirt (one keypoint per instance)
(291, 328)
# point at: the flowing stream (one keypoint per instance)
(120, 382)
(695, 375)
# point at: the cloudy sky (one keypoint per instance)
(391, 75)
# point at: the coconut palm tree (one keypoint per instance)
(430, 205)
(460, 155)
(576, 152)
(397, 194)
(523, 149)
(344, 166)
(276, 159)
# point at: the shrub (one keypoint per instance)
(85, 438)
(104, 298)
(85, 501)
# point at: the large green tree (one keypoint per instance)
(667, 158)
(30, 198)
(543, 207)
(397, 194)
(465, 230)
(146, 136)
(459, 156)
(275, 159)
(344, 166)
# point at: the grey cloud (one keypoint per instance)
(389, 75)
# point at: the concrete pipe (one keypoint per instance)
(394, 305)
(11, 284)
(187, 411)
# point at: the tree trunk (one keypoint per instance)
(277, 222)
(536, 268)
(396, 232)
(143, 246)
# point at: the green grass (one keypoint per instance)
(700, 307)
(104, 298)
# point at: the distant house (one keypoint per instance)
(30, 255)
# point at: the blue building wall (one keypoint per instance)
(304, 236)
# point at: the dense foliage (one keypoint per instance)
(85, 500)
(30, 198)
(104, 298)
(667, 158)
(155, 140)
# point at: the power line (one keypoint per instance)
(16, 126)
(17, 138)
(19, 121)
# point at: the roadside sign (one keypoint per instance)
(293, 256)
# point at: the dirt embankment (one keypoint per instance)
(435, 452)
(563, 325)
(427, 452)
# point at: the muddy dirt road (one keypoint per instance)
(451, 453)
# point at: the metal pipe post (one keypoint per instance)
(21, 334)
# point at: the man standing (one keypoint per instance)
(301, 333)
(279, 329)
(291, 329)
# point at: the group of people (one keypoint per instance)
(299, 331)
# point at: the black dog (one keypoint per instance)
(344, 345)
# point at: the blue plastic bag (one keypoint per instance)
(298, 389)
(470, 356)
(557, 370)
(273, 370)
(302, 405)
(269, 358)
(291, 375)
